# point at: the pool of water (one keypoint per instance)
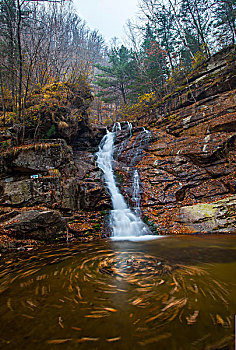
(169, 293)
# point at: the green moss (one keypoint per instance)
(51, 132)
(119, 177)
(97, 227)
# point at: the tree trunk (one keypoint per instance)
(3, 102)
(123, 94)
(20, 68)
(181, 31)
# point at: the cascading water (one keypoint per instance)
(125, 223)
(140, 141)
(125, 142)
(136, 198)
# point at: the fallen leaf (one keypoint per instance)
(58, 341)
(110, 309)
(82, 340)
(110, 340)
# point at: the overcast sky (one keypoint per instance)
(108, 16)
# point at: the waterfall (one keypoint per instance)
(136, 198)
(129, 127)
(116, 127)
(124, 222)
(140, 141)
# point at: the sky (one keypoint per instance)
(108, 16)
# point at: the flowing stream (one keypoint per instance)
(125, 223)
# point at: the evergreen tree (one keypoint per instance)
(116, 78)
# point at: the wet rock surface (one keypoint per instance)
(187, 163)
(53, 175)
(36, 224)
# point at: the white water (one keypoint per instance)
(116, 127)
(125, 223)
(129, 126)
(136, 198)
(140, 141)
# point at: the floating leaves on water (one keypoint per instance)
(160, 282)
(27, 316)
(141, 276)
(31, 303)
(9, 304)
(78, 292)
(29, 273)
(192, 318)
(111, 340)
(2, 289)
(172, 302)
(220, 320)
(58, 341)
(154, 317)
(96, 316)
(110, 309)
(137, 301)
(82, 340)
(155, 339)
(143, 289)
(60, 322)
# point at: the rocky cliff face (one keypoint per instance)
(188, 168)
(38, 178)
(44, 182)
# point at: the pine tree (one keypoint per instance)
(116, 78)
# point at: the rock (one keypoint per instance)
(36, 224)
(93, 196)
(38, 158)
(215, 217)
(9, 214)
(50, 191)
(69, 195)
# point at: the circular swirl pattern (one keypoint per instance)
(137, 296)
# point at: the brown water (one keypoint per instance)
(171, 293)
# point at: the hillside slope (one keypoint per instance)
(188, 169)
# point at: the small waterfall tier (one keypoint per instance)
(136, 198)
(125, 223)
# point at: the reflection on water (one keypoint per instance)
(172, 293)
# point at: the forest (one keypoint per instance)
(43, 42)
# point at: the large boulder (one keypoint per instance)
(30, 192)
(36, 158)
(215, 217)
(49, 190)
(36, 224)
